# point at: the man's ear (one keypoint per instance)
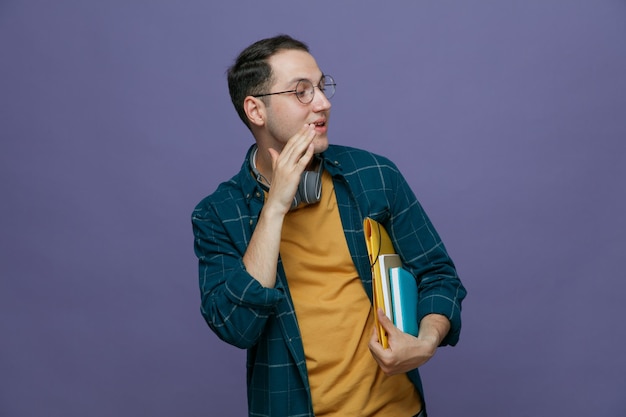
(255, 110)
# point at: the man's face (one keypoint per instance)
(285, 114)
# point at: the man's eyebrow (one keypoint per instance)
(295, 80)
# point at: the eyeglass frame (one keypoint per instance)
(295, 90)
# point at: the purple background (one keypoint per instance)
(508, 119)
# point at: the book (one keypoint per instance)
(385, 263)
(403, 290)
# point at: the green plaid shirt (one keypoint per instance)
(262, 320)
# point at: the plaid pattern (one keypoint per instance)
(262, 320)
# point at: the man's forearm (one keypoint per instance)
(261, 257)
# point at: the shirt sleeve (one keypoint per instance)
(234, 304)
(440, 290)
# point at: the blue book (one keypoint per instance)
(403, 290)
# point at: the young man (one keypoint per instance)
(284, 269)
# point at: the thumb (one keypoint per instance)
(385, 322)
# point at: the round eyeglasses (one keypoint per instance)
(305, 90)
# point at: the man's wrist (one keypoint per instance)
(434, 328)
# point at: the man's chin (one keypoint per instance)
(320, 144)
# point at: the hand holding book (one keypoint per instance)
(405, 352)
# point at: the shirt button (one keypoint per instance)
(258, 194)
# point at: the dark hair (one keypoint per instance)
(251, 74)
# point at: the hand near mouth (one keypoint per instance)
(288, 165)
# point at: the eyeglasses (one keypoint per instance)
(305, 90)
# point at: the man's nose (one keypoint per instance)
(320, 102)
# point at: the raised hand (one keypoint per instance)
(287, 167)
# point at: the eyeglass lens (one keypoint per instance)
(305, 90)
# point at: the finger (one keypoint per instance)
(384, 320)
(298, 144)
(305, 159)
(297, 160)
(387, 324)
(298, 137)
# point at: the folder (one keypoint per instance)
(378, 243)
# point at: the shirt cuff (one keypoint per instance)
(244, 290)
